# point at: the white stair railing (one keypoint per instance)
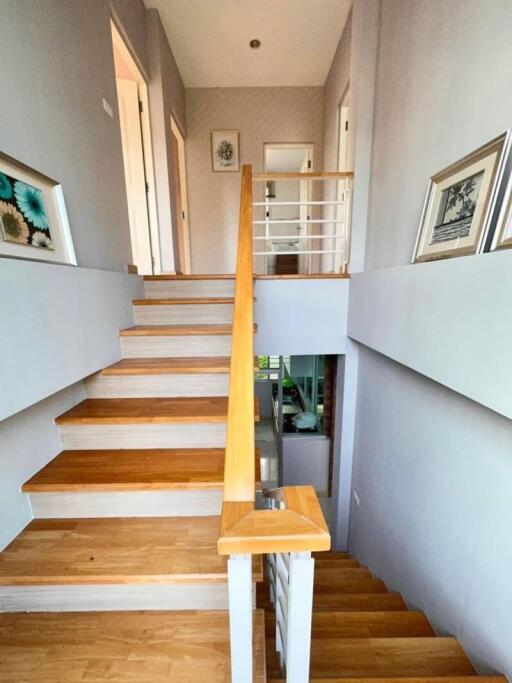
(334, 225)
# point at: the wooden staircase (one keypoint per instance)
(127, 516)
(119, 578)
(361, 633)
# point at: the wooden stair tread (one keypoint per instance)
(386, 657)
(359, 602)
(219, 329)
(181, 301)
(213, 276)
(148, 411)
(122, 646)
(389, 657)
(331, 555)
(132, 470)
(335, 624)
(135, 550)
(326, 562)
(168, 366)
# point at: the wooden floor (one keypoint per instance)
(166, 366)
(158, 469)
(146, 410)
(184, 301)
(131, 470)
(368, 636)
(121, 647)
(177, 330)
(116, 550)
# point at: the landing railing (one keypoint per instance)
(290, 528)
(314, 228)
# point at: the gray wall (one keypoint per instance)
(301, 317)
(431, 467)
(434, 477)
(60, 323)
(443, 89)
(261, 115)
(166, 98)
(57, 68)
(28, 440)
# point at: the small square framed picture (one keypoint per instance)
(225, 150)
(461, 208)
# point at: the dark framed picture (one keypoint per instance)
(225, 150)
(461, 208)
(33, 218)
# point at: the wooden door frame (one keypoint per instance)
(119, 44)
(183, 224)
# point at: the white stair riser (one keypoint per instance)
(186, 346)
(188, 289)
(176, 435)
(140, 386)
(107, 597)
(183, 314)
(173, 503)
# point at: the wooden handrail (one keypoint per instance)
(239, 465)
(300, 526)
(325, 175)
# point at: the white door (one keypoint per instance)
(133, 158)
(343, 196)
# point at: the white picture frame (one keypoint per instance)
(461, 210)
(225, 151)
(49, 238)
(502, 237)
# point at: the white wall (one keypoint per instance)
(432, 468)
(261, 115)
(301, 317)
(58, 324)
(28, 440)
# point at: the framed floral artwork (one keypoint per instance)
(225, 150)
(33, 219)
(461, 208)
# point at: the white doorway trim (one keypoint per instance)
(342, 230)
(181, 199)
(305, 194)
(149, 234)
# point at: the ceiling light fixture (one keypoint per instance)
(255, 43)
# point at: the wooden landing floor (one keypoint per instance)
(121, 647)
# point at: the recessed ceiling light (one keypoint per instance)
(255, 43)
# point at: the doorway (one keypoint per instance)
(286, 201)
(180, 197)
(134, 122)
(344, 164)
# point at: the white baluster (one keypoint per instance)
(300, 607)
(240, 617)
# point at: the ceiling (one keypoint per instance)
(210, 40)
